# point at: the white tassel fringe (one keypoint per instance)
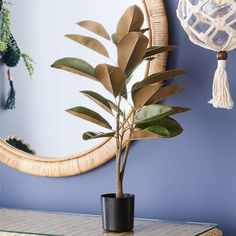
(221, 97)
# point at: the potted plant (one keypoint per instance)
(148, 119)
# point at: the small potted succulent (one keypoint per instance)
(148, 119)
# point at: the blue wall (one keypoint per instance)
(191, 177)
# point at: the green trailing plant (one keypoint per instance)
(5, 30)
(29, 63)
(149, 118)
(10, 52)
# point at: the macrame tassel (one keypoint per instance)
(11, 100)
(221, 97)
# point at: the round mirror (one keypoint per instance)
(40, 117)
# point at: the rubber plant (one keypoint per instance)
(10, 53)
(149, 118)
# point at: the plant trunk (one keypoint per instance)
(119, 182)
(119, 143)
(119, 187)
(126, 155)
(125, 161)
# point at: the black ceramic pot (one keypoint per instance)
(117, 213)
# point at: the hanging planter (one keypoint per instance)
(212, 24)
(10, 52)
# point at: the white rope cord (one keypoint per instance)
(220, 97)
(217, 23)
(211, 24)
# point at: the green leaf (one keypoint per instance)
(29, 63)
(166, 127)
(158, 49)
(152, 112)
(159, 130)
(94, 135)
(89, 115)
(158, 78)
(76, 66)
(114, 39)
(99, 100)
(94, 27)
(139, 134)
(90, 43)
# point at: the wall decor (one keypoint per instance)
(99, 152)
(10, 53)
(212, 24)
(149, 118)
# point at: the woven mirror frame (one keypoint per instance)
(104, 151)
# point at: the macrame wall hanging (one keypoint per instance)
(10, 53)
(212, 24)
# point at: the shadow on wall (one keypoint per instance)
(172, 61)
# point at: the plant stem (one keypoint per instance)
(125, 160)
(127, 148)
(119, 141)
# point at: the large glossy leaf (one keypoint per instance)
(152, 112)
(139, 134)
(99, 100)
(111, 77)
(142, 96)
(131, 20)
(158, 49)
(89, 115)
(149, 55)
(76, 66)
(158, 77)
(94, 27)
(124, 92)
(131, 70)
(131, 50)
(177, 110)
(164, 93)
(94, 135)
(171, 127)
(159, 130)
(89, 42)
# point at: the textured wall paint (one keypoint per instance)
(191, 177)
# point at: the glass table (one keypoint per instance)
(25, 223)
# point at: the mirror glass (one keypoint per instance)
(39, 28)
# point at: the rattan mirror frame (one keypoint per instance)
(104, 151)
